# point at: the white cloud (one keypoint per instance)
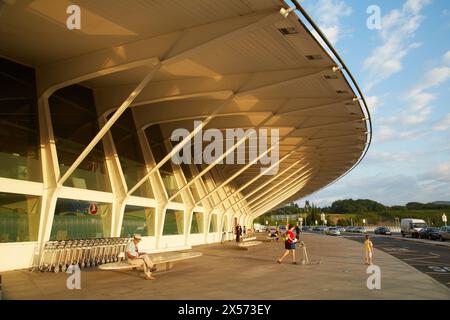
(376, 157)
(383, 134)
(443, 124)
(388, 189)
(373, 102)
(447, 58)
(328, 14)
(419, 100)
(439, 174)
(398, 30)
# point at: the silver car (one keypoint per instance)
(444, 233)
(333, 231)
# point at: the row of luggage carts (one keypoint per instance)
(59, 255)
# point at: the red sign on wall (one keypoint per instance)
(93, 209)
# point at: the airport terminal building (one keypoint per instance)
(88, 114)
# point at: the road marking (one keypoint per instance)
(434, 256)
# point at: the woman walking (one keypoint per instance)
(289, 244)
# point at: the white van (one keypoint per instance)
(412, 227)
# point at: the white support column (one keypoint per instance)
(181, 144)
(50, 174)
(215, 162)
(117, 180)
(271, 180)
(279, 198)
(287, 186)
(238, 173)
(256, 178)
(109, 123)
(283, 181)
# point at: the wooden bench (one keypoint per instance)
(248, 239)
(167, 258)
(248, 244)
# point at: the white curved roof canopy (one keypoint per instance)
(205, 51)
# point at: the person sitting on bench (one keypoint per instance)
(139, 259)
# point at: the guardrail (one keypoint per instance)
(59, 255)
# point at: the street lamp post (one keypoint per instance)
(444, 219)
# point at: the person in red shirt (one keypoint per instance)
(289, 244)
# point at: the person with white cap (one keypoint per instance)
(139, 259)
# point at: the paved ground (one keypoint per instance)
(224, 272)
(430, 257)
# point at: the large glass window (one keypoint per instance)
(156, 142)
(197, 222)
(173, 222)
(188, 175)
(130, 153)
(213, 224)
(138, 220)
(19, 133)
(75, 124)
(77, 219)
(19, 217)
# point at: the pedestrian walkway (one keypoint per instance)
(224, 272)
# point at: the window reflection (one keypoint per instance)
(197, 222)
(19, 134)
(129, 152)
(173, 222)
(77, 219)
(138, 220)
(156, 142)
(19, 217)
(75, 124)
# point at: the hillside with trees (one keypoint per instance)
(349, 211)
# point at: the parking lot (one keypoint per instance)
(428, 258)
(431, 257)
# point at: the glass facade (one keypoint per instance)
(138, 220)
(77, 219)
(213, 224)
(19, 217)
(156, 142)
(189, 176)
(173, 222)
(75, 124)
(130, 153)
(19, 133)
(197, 222)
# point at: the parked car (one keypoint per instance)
(383, 230)
(444, 233)
(429, 233)
(341, 229)
(349, 229)
(333, 231)
(360, 230)
(412, 227)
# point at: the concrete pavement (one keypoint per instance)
(224, 272)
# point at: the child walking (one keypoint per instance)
(368, 248)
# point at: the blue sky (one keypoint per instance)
(404, 72)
